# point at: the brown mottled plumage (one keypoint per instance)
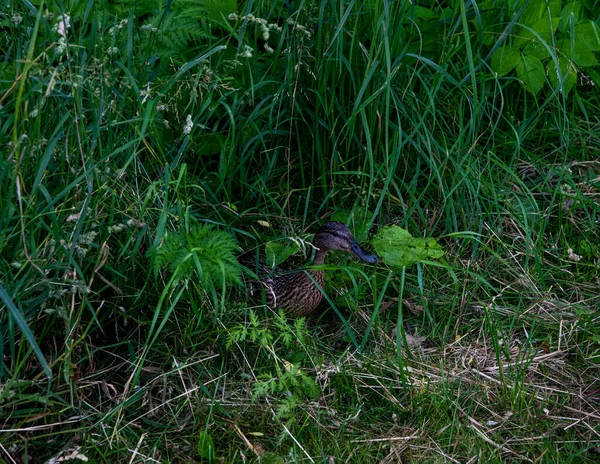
(295, 290)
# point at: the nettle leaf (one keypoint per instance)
(530, 71)
(554, 7)
(544, 28)
(537, 49)
(533, 12)
(584, 57)
(397, 248)
(565, 73)
(505, 59)
(578, 52)
(589, 35)
(425, 14)
(570, 13)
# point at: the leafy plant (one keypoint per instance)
(181, 28)
(287, 378)
(398, 248)
(204, 250)
(550, 39)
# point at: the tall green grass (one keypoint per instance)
(148, 135)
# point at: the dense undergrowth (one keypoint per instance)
(146, 143)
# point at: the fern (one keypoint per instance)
(186, 26)
(277, 377)
(182, 26)
(205, 251)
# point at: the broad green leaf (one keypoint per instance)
(570, 13)
(397, 248)
(277, 252)
(424, 14)
(589, 35)
(544, 29)
(578, 52)
(505, 59)
(565, 73)
(533, 12)
(554, 7)
(208, 144)
(530, 71)
(537, 49)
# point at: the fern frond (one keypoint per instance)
(205, 251)
(184, 27)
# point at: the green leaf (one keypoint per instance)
(589, 35)
(208, 144)
(530, 71)
(533, 12)
(277, 252)
(554, 8)
(220, 8)
(206, 446)
(565, 73)
(424, 14)
(505, 59)
(578, 52)
(571, 12)
(544, 28)
(537, 49)
(398, 248)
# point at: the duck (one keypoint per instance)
(299, 291)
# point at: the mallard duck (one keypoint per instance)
(295, 290)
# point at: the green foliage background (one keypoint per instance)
(144, 143)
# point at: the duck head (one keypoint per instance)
(336, 236)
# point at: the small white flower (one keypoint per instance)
(145, 93)
(61, 46)
(268, 49)
(148, 27)
(188, 125)
(247, 53)
(116, 228)
(265, 32)
(17, 18)
(233, 17)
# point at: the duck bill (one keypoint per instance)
(359, 251)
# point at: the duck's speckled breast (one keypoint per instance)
(295, 292)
